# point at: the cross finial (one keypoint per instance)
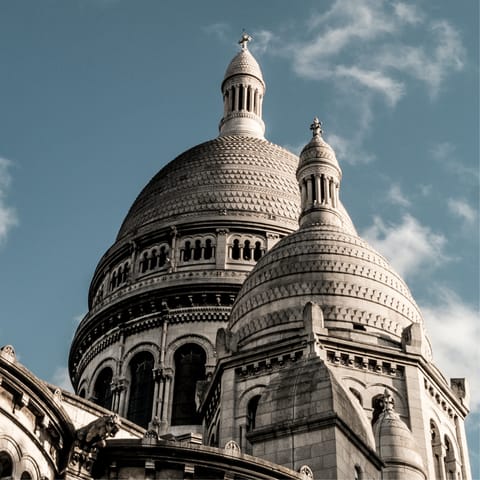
(244, 40)
(316, 127)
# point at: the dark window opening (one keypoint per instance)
(102, 391)
(140, 402)
(153, 260)
(82, 393)
(249, 99)
(247, 251)
(314, 190)
(208, 253)
(144, 263)
(190, 362)
(162, 258)
(25, 476)
(197, 251)
(113, 282)
(240, 98)
(252, 412)
(126, 272)
(257, 252)
(322, 190)
(187, 252)
(233, 99)
(6, 465)
(377, 405)
(236, 250)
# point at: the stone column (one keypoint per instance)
(221, 250)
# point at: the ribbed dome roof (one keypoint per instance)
(351, 282)
(244, 63)
(228, 175)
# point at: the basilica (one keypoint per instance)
(239, 328)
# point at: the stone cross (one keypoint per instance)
(244, 40)
(316, 127)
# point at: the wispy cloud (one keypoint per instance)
(463, 210)
(455, 353)
(8, 216)
(410, 246)
(397, 196)
(61, 378)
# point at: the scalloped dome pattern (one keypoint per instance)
(350, 281)
(231, 174)
(244, 63)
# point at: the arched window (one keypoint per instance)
(247, 251)
(377, 406)
(25, 476)
(257, 252)
(187, 251)
(252, 412)
(207, 254)
(6, 466)
(190, 362)
(113, 282)
(236, 250)
(144, 263)
(436, 448)
(82, 393)
(126, 272)
(140, 401)
(449, 459)
(197, 251)
(153, 260)
(102, 391)
(162, 258)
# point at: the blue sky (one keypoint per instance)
(97, 95)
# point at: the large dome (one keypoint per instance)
(234, 175)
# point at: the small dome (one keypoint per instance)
(318, 150)
(394, 440)
(244, 63)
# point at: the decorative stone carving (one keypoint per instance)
(8, 352)
(306, 471)
(232, 448)
(89, 439)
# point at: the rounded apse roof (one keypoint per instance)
(244, 63)
(354, 286)
(230, 175)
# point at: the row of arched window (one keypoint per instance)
(190, 360)
(198, 249)
(120, 276)
(445, 462)
(154, 258)
(246, 250)
(6, 468)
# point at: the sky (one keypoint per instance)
(97, 95)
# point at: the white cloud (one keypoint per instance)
(397, 197)
(262, 40)
(8, 217)
(460, 208)
(453, 328)
(61, 379)
(409, 246)
(221, 30)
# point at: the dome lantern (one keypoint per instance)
(319, 178)
(243, 89)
